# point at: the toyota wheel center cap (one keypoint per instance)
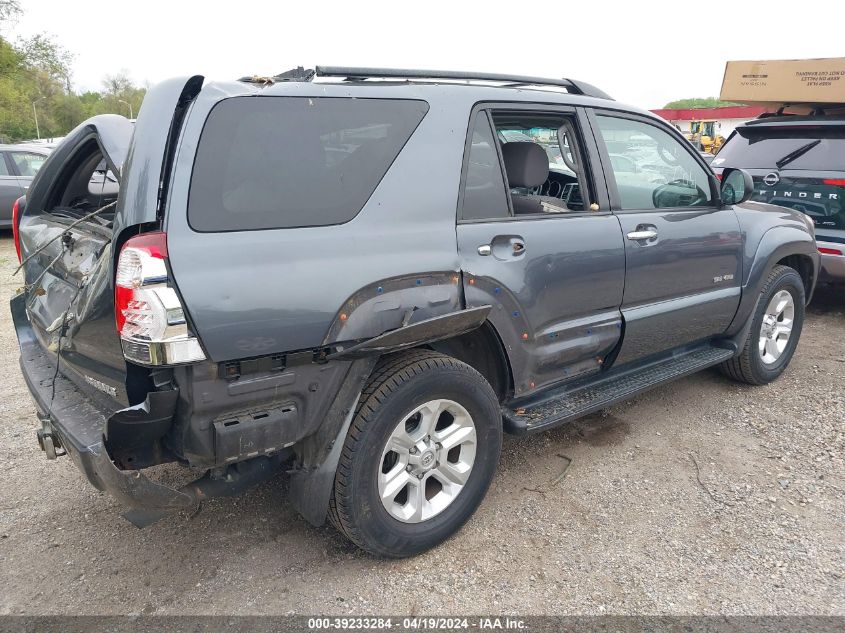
(427, 459)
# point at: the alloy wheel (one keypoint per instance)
(427, 461)
(776, 328)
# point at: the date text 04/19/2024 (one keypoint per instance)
(416, 623)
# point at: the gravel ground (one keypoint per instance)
(700, 497)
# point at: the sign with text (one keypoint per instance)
(785, 81)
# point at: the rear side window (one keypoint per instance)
(484, 191)
(284, 162)
(820, 148)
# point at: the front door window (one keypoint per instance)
(652, 169)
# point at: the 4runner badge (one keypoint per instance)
(97, 384)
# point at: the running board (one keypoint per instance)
(574, 401)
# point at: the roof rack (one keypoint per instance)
(352, 73)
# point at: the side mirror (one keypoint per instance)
(737, 186)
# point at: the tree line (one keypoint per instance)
(697, 102)
(37, 97)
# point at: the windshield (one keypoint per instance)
(809, 148)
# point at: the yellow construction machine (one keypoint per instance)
(703, 134)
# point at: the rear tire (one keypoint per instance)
(775, 329)
(419, 456)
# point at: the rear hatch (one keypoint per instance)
(77, 218)
(65, 235)
(799, 164)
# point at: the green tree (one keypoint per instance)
(120, 95)
(697, 102)
(45, 55)
(35, 80)
(15, 122)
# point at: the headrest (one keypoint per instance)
(526, 164)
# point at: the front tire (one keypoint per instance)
(775, 329)
(419, 456)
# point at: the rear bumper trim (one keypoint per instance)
(79, 425)
(832, 266)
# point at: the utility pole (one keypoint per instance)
(35, 114)
(129, 105)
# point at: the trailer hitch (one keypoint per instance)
(49, 441)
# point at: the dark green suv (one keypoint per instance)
(798, 162)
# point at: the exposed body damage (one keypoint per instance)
(547, 316)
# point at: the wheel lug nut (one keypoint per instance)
(413, 450)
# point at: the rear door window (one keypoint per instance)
(484, 190)
(28, 163)
(284, 162)
(809, 148)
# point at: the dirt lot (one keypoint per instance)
(700, 497)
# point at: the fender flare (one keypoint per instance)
(777, 242)
(312, 482)
(427, 331)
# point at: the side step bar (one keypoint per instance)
(574, 401)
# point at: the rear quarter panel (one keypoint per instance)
(251, 293)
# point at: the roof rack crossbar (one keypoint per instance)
(352, 72)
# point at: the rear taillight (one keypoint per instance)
(829, 251)
(16, 212)
(149, 315)
(838, 182)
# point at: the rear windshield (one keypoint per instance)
(283, 162)
(763, 147)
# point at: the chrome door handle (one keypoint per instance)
(484, 249)
(645, 234)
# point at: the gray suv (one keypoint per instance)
(365, 276)
(18, 166)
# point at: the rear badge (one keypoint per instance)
(101, 386)
(771, 179)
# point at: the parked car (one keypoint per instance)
(329, 276)
(798, 162)
(18, 166)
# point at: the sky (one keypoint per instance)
(639, 52)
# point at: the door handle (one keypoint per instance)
(503, 248)
(643, 234)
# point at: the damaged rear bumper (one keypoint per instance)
(78, 424)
